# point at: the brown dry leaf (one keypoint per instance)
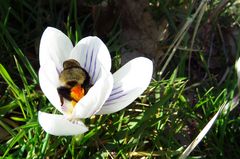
(3, 134)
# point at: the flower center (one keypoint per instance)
(77, 92)
(74, 84)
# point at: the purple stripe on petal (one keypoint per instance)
(116, 96)
(112, 94)
(90, 65)
(115, 89)
(111, 100)
(93, 81)
(109, 103)
(94, 69)
(58, 70)
(86, 59)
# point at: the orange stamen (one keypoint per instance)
(77, 92)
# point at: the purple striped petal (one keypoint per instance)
(96, 96)
(130, 81)
(91, 52)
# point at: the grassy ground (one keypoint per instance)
(196, 76)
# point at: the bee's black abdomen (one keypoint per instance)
(64, 92)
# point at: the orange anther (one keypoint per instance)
(77, 92)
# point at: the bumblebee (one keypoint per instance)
(74, 82)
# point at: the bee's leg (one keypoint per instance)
(61, 99)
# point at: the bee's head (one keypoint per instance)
(71, 63)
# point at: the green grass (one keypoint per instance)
(185, 92)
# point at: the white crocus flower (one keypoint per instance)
(109, 93)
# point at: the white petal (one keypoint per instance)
(58, 125)
(48, 79)
(130, 81)
(54, 45)
(91, 52)
(96, 96)
(237, 66)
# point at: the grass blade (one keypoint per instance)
(205, 130)
(9, 80)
